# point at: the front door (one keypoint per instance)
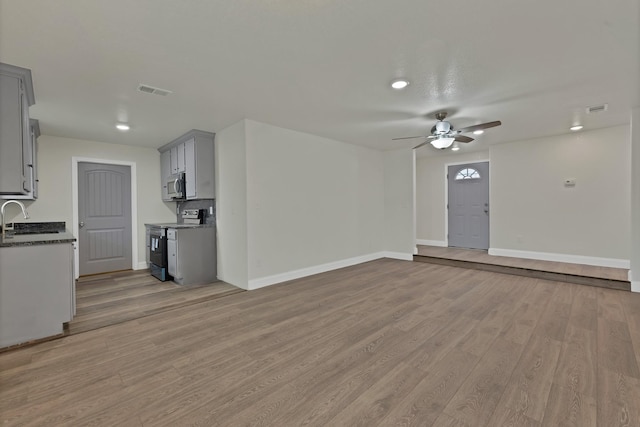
(468, 207)
(104, 212)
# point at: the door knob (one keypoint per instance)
(81, 224)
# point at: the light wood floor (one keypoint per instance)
(108, 299)
(382, 343)
(616, 278)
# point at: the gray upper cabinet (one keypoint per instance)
(16, 133)
(177, 159)
(194, 155)
(34, 133)
(165, 171)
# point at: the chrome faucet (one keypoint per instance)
(24, 212)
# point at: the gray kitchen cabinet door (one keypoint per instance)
(13, 164)
(190, 164)
(177, 159)
(468, 206)
(35, 133)
(165, 171)
(104, 212)
(172, 257)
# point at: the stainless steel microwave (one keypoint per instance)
(176, 186)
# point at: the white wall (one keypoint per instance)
(311, 201)
(231, 205)
(399, 212)
(529, 199)
(532, 213)
(431, 194)
(54, 201)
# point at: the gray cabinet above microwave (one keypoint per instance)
(191, 154)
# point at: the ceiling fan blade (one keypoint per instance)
(413, 137)
(480, 126)
(408, 137)
(420, 145)
(462, 138)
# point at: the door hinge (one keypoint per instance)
(447, 205)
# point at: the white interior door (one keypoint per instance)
(468, 206)
(104, 214)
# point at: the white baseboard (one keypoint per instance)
(316, 269)
(440, 243)
(142, 265)
(574, 259)
(398, 255)
(635, 286)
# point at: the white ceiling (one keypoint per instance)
(324, 66)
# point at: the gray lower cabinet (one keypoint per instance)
(37, 289)
(194, 155)
(191, 254)
(16, 139)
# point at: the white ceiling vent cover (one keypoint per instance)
(154, 90)
(597, 108)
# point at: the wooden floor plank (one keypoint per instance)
(386, 342)
(568, 408)
(109, 299)
(475, 255)
(477, 398)
(525, 397)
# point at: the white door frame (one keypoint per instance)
(446, 196)
(134, 207)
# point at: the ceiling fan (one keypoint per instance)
(443, 134)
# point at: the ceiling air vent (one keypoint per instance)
(153, 90)
(597, 108)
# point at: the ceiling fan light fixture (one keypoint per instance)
(442, 143)
(455, 147)
(478, 132)
(576, 128)
(399, 84)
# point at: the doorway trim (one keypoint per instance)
(446, 195)
(134, 207)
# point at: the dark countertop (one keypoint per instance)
(175, 225)
(36, 239)
(36, 233)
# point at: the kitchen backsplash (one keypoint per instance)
(199, 204)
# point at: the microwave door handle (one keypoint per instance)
(176, 185)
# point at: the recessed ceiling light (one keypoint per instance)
(399, 84)
(478, 132)
(576, 127)
(123, 127)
